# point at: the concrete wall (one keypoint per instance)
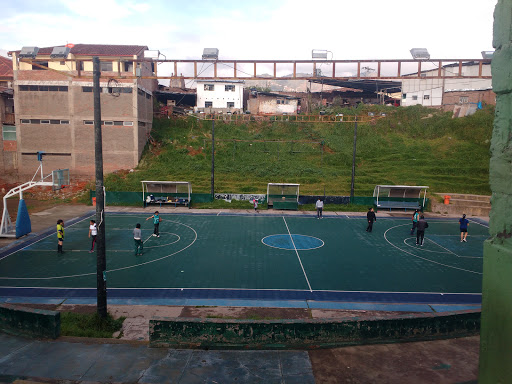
(299, 334)
(29, 322)
(496, 334)
(474, 97)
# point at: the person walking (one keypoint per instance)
(319, 208)
(420, 230)
(93, 232)
(156, 221)
(137, 238)
(415, 218)
(370, 217)
(60, 235)
(463, 228)
(255, 204)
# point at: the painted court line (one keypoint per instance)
(298, 257)
(467, 257)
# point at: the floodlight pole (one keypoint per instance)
(213, 159)
(101, 263)
(353, 161)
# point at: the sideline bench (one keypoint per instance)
(164, 201)
(397, 205)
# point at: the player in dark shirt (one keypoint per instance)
(420, 230)
(370, 217)
(463, 228)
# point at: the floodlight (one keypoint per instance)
(152, 54)
(60, 52)
(28, 52)
(319, 54)
(210, 54)
(487, 54)
(420, 53)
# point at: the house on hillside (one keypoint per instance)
(447, 93)
(270, 103)
(53, 100)
(220, 96)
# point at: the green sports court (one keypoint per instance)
(255, 256)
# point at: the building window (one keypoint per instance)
(42, 64)
(404, 96)
(426, 97)
(54, 121)
(45, 121)
(63, 88)
(108, 123)
(23, 88)
(128, 66)
(86, 89)
(142, 124)
(140, 92)
(231, 104)
(35, 121)
(229, 88)
(88, 122)
(118, 123)
(25, 121)
(106, 66)
(9, 133)
(463, 99)
(64, 121)
(208, 104)
(283, 101)
(148, 96)
(128, 123)
(209, 87)
(125, 90)
(415, 97)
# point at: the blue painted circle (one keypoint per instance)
(299, 243)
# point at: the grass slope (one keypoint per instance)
(412, 146)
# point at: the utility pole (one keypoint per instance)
(213, 158)
(101, 262)
(353, 161)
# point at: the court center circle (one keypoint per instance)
(292, 242)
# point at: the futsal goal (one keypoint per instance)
(172, 193)
(283, 196)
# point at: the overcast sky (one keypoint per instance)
(262, 29)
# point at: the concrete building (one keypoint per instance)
(7, 121)
(220, 96)
(54, 108)
(269, 103)
(449, 93)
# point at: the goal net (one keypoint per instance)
(283, 196)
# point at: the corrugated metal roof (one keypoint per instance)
(365, 85)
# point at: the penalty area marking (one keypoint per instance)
(115, 269)
(423, 258)
(298, 257)
(439, 245)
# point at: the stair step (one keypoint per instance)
(466, 196)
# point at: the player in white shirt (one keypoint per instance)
(93, 232)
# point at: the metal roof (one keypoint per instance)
(366, 85)
(97, 50)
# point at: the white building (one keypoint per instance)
(435, 92)
(220, 95)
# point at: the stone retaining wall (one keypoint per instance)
(308, 334)
(24, 321)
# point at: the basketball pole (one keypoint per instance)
(101, 262)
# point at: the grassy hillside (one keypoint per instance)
(413, 145)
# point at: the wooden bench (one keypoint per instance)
(163, 201)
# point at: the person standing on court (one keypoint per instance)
(370, 217)
(319, 208)
(93, 232)
(420, 230)
(463, 228)
(156, 221)
(60, 235)
(415, 218)
(255, 204)
(137, 238)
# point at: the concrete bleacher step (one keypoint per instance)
(471, 205)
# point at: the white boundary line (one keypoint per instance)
(424, 258)
(297, 252)
(476, 222)
(438, 252)
(467, 257)
(111, 270)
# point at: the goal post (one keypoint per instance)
(166, 192)
(283, 196)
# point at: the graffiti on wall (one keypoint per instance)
(238, 196)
